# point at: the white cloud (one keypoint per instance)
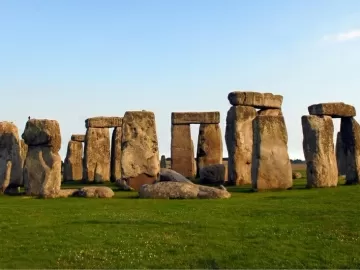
(346, 36)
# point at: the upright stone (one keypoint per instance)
(97, 155)
(182, 153)
(239, 142)
(139, 147)
(271, 167)
(210, 147)
(340, 155)
(350, 136)
(163, 162)
(318, 145)
(116, 154)
(10, 157)
(42, 169)
(73, 163)
(23, 152)
(193, 167)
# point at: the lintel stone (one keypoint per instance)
(184, 118)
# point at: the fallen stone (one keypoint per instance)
(350, 136)
(171, 175)
(186, 118)
(255, 99)
(123, 185)
(78, 137)
(340, 155)
(10, 156)
(213, 174)
(180, 190)
(182, 150)
(271, 167)
(42, 172)
(210, 146)
(95, 192)
(333, 109)
(97, 155)
(65, 193)
(42, 132)
(73, 163)
(139, 147)
(319, 152)
(116, 154)
(239, 142)
(103, 122)
(296, 175)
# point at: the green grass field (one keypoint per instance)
(299, 228)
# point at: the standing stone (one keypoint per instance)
(116, 154)
(193, 165)
(340, 155)
(97, 155)
(210, 147)
(350, 136)
(271, 167)
(239, 142)
(73, 163)
(163, 162)
(139, 147)
(23, 152)
(318, 145)
(10, 157)
(42, 169)
(182, 151)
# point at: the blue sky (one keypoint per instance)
(70, 60)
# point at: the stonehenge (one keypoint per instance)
(11, 162)
(139, 149)
(257, 141)
(324, 163)
(209, 149)
(97, 152)
(42, 168)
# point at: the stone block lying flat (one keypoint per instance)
(78, 138)
(103, 122)
(183, 118)
(333, 109)
(255, 99)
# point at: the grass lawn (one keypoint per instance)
(299, 228)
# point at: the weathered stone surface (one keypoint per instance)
(65, 193)
(10, 157)
(318, 145)
(103, 122)
(73, 163)
(182, 150)
(42, 132)
(78, 137)
(270, 112)
(171, 175)
(194, 166)
(42, 172)
(296, 175)
(340, 155)
(163, 162)
(239, 142)
(255, 99)
(116, 154)
(271, 167)
(183, 118)
(210, 146)
(350, 137)
(97, 155)
(140, 153)
(23, 152)
(333, 109)
(95, 192)
(180, 190)
(123, 185)
(213, 174)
